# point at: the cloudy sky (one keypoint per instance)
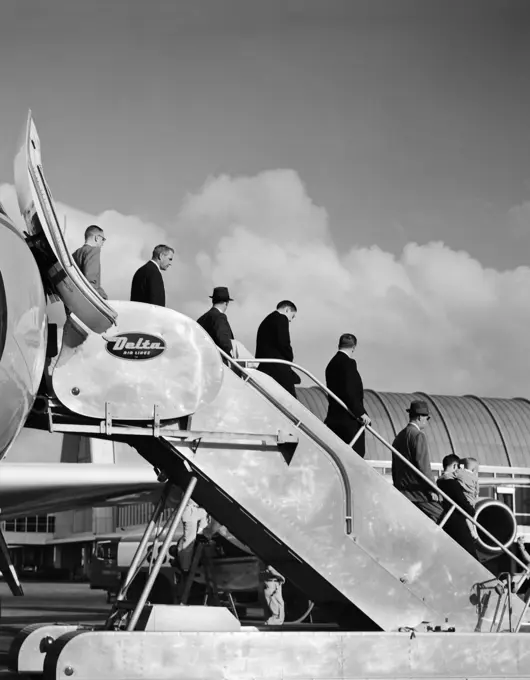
(369, 160)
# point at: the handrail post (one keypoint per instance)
(175, 521)
(509, 586)
(525, 609)
(139, 554)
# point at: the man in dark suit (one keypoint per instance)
(343, 379)
(274, 342)
(148, 284)
(87, 258)
(456, 524)
(215, 322)
(411, 443)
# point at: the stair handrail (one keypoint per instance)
(343, 473)
(439, 492)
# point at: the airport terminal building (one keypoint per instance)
(494, 431)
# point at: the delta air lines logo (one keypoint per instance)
(135, 346)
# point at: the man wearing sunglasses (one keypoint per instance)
(88, 259)
(411, 442)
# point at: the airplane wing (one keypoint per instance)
(40, 488)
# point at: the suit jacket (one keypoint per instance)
(412, 444)
(215, 323)
(450, 485)
(148, 285)
(88, 259)
(343, 379)
(273, 341)
(456, 524)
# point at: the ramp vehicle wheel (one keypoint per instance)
(298, 606)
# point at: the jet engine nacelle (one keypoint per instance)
(23, 331)
(499, 520)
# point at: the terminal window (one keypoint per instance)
(522, 504)
(36, 524)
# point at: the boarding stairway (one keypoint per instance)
(295, 494)
(322, 516)
(252, 455)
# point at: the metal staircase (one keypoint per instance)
(259, 461)
(287, 487)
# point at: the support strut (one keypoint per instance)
(162, 554)
(140, 550)
(7, 568)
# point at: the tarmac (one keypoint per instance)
(46, 603)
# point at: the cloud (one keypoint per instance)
(428, 318)
(274, 202)
(519, 219)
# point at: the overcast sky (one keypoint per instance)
(370, 160)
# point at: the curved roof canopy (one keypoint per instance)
(494, 431)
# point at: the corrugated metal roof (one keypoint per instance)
(494, 431)
(514, 415)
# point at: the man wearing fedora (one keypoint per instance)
(344, 380)
(215, 322)
(411, 442)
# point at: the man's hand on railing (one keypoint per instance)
(365, 419)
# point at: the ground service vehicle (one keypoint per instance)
(234, 570)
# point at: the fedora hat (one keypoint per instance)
(221, 294)
(418, 408)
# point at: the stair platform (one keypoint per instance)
(288, 656)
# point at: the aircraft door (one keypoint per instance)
(60, 274)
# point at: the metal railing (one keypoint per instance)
(453, 505)
(336, 459)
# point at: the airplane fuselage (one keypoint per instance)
(23, 331)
